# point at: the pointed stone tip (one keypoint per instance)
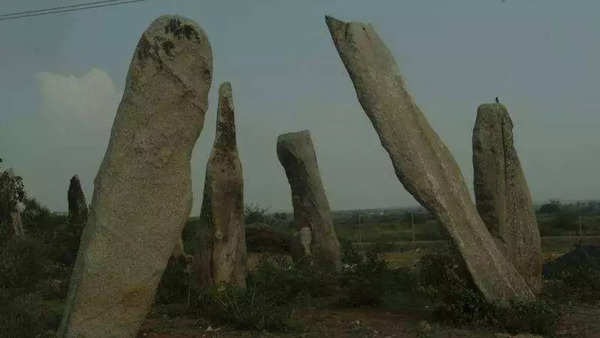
(333, 24)
(225, 89)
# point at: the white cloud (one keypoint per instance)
(79, 110)
(68, 135)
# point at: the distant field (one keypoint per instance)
(404, 254)
(429, 229)
(394, 234)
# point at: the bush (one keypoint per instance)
(551, 207)
(287, 281)
(368, 279)
(575, 275)
(538, 317)
(27, 316)
(444, 279)
(273, 291)
(39, 216)
(578, 282)
(174, 285)
(365, 282)
(250, 308)
(255, 214)
(23, 263)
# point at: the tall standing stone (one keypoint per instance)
(316, 235)
(78, 211)
(502, 195)
(142, 192)
(421, 160)
(221, 248)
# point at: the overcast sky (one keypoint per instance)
(62, 77)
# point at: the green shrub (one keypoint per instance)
(27, 316)
(368, 279)
(575, 275)
(349, 253)
(255, 214)
(273, 290)
(6, 232)
(174, 283)
(444, 279)
(366, 282)
(23, 263)
(251, 308)
(576, 282)
(288, 281)
(537, 317)
(584, 280)
(443, 276)
(64, 242)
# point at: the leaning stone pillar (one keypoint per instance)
(422, 162)
(142, 192)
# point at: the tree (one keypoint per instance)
(12, 193)
(255, 214)
(552, 207)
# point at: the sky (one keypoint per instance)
(62, 78)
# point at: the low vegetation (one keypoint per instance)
(35, 272)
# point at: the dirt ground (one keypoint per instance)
(582, 321)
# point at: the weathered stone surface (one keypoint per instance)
(502, 195)
(312, 216)
(221, 257)
(142, 192)
(78, 210)
(421, 160)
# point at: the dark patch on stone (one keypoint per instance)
(144, 49)
(207, 75)
(167, 47)
(147, 49)
(180, 31)
(188, 31)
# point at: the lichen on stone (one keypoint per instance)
(147, 49)
(167, 47)
(179, 31)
